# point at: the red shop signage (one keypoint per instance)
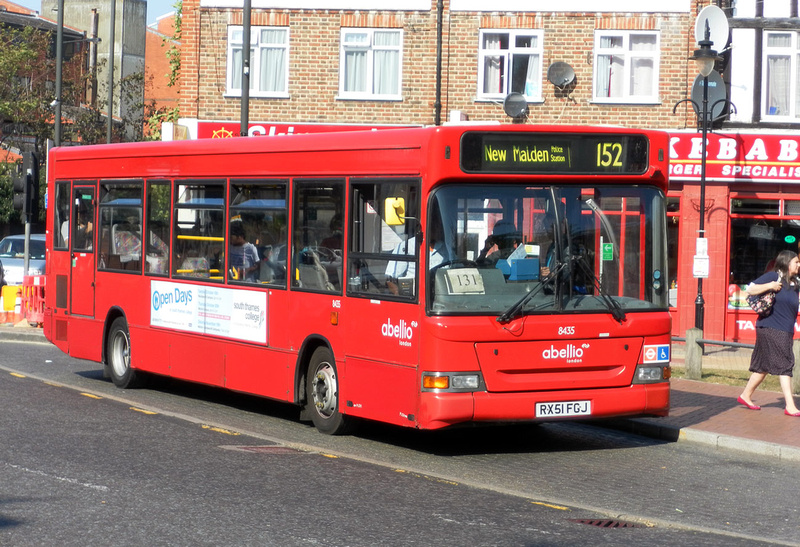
(225, 130)
(750, 157)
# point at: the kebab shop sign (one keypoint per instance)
(751, 157)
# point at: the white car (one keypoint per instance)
(12, 256)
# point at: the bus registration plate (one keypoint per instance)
(563, 409)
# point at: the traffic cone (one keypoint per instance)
(3, 313)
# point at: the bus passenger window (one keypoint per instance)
(120, 235)
(384, 252)
(258, 213)
(199, 233)
(61, 216)
(156, 247)
(317, 235)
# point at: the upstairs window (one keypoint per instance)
(781, 76)
(269, 61)
(370, 64)
(510, 62)
(626, 67)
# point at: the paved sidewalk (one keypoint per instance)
(700, 411)
(708, 413)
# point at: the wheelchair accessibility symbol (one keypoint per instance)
(656, 353)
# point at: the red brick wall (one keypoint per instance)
(314, 66)
(156, 72)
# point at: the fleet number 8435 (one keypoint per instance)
(566, 330)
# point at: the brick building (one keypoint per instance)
(343, 62)
(160, 37)
(316, 45)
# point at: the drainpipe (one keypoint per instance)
(245, 69)
(93, 59)
(112, 25)
(437, 105)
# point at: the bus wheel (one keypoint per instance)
(119, 356)
(322, 394)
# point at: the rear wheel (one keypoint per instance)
(118, 356)
(322, 394)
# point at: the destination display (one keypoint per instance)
(563, 153)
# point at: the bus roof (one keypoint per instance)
(344, 152)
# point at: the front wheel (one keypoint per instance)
(322, 394)
(118, 356)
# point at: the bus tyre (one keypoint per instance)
(118, 356)
(322, 394)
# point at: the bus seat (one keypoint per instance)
(311, 272)
(194, 266)
(126, 244)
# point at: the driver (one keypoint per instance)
(504, 240)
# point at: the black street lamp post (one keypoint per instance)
(705, 57)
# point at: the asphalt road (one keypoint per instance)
(178, 464)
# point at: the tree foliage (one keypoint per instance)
(27, 69)
(27, 90)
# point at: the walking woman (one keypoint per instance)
(774, 333)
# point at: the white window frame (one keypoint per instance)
(505, 59)
(793, 53)
(348, 44)
(628, 57)
(257, 49)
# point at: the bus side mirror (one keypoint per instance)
(394, 211)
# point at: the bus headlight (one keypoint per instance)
(648, 374)
(452, 381)
(466, 381)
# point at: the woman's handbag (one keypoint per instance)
(762, 303)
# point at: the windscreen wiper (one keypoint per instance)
(612, 305)
(519, 305)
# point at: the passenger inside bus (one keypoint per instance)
(400, 273)
(244, 259)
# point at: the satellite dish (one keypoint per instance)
(515, 105)
(717, 96)
(560, 74)
(717, 25)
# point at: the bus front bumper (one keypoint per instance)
(439, 410)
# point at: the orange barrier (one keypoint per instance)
(32, 303)
(11, 301)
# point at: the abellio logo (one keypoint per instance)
(571, 353)
(402, 331)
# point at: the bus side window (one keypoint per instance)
(318, 206)
(384, 251)
(61, 216)
(156, 247)
(199, 230)
(120, 226)
(258, 207)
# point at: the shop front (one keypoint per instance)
(752, 212)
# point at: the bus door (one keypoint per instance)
(82, 255)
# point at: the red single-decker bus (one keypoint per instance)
(422, 277)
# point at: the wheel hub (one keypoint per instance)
(324, 391)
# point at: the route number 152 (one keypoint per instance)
(609, 154)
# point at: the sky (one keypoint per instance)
(155, 8)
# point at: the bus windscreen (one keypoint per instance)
(556, 153)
